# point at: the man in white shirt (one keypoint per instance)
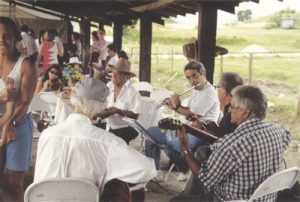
(76, 148)
(112, 61)
(203, 102)
(29, 43)
(123, 101)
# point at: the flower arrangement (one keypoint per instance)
(73, 73)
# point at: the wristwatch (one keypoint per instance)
(186, 152)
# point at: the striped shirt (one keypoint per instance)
(242, 160)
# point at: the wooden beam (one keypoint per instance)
(145, 49)
(153, 5)
(118, 33)
(207, 27)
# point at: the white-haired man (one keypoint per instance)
(243, 159)
(76, 148)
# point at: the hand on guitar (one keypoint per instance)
(174, 124)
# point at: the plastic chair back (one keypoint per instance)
(284, 179)
(62, 189)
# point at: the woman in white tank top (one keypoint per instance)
(23, 73)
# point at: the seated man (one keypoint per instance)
(203, 102)
(76, 148)
(123, 101)
(243, 159)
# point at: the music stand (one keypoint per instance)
(135, 124)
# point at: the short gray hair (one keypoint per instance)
(251, 98)
(88, 106)
(198, 66)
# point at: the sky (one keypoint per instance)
(263, 8)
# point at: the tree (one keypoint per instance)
(244, 15)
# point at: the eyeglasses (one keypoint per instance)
(193, 76)
(234, 107)
(101, 33)
(54, 72)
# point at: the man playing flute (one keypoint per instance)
(203, 102)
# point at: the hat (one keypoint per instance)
(124, 65)
(92, 89)
(73, 60)
(143, 86)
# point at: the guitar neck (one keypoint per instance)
(208, 136)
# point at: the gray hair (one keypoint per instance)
(229, 80)
(198, 66)
(88, 106)
(251, 98)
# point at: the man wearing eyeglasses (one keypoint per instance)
(203, 102)
(243, 159)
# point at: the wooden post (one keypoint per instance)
(250, 68)
(207, 28)
(221, 65)
(118, 33)
(145, 48)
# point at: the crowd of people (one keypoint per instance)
(247, 151)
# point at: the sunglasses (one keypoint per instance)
(54, 72)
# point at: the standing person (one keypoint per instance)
(49, 51)
(243, 159)
(102, 45)
(76, 41)
(60, 46)
(21, 69)
(29, 43)
(203, 102)
(111, 62)
(123, 101)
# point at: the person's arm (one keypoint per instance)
(28, 82)
(38, 88)
(7, 95)
(189, 157)
(175, 104)
(40, 54)
(7, 132)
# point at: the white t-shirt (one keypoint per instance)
(129, 99)
(205, 102)
(76, 148)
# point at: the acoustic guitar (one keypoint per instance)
(174, 124)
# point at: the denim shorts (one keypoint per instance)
(18, 152)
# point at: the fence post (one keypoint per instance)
(221, 65)
(131, 52)
(298, 111)
(250, 67)
(156, 56)
(172, 58)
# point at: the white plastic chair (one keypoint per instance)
(284, 179)
(62, 189)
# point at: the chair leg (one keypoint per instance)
(169, 172)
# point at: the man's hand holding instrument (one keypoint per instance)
(174, 100)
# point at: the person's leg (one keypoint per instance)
(17, 158)
(173, 151)
(127, 134)
(152, 150)
(15, 181)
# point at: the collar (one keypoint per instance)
(79, 117)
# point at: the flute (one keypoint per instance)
(181, 94)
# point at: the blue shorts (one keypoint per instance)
(18, 152)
